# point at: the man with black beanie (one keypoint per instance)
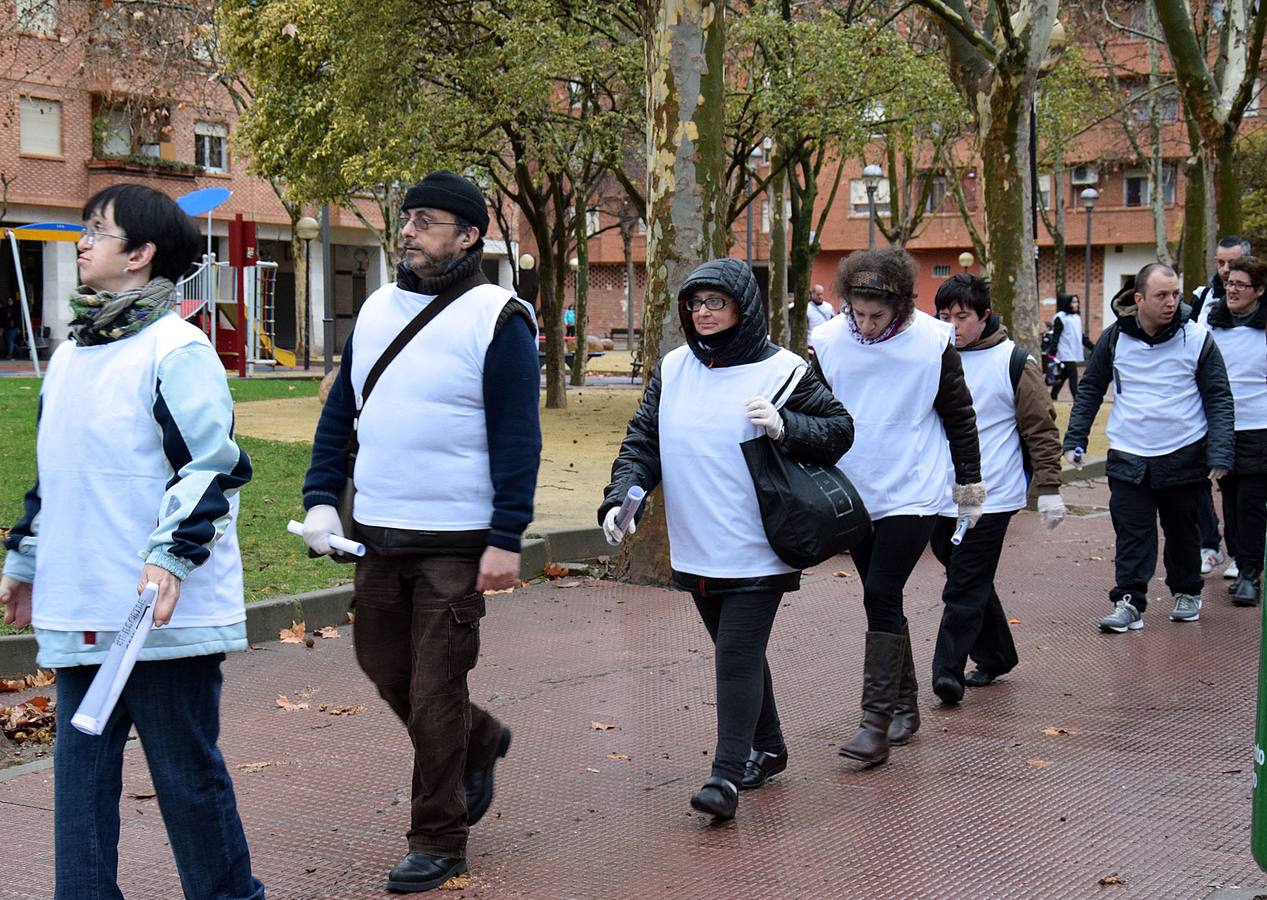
(445, 472)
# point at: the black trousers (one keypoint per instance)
(973, 622)
(1208, 520)
(885, 562)
(739, 623)
(1068, 372)
(1136, 509)
(1245, 505)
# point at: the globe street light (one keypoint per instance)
(1088, 196)
(871, 174)
(965, 260)
(306, 229)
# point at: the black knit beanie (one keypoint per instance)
(451, 193)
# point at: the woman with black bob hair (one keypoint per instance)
(1238, 321)
(726, 386)
(136, 458)
(896, 369)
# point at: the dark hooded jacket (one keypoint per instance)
(1251, 445)
(1187, 464)
(817, 428)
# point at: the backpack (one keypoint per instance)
(1016, 368)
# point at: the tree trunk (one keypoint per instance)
(1156, 168)
(297, 247)
(685, 44)
(631, 275)
(580, 351)
(1193, 257)
(803, 193)
(780, 332)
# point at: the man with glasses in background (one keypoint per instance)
(448, 447)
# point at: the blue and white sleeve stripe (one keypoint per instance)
(194, 413)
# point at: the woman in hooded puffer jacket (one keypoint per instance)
(898, 371)
(702, 401)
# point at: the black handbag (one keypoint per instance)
(407, 334)
(810, 512)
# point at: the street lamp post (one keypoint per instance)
(1088, 196)
(754, 154)
(871, 174)
(307, 229)
(327, 284)
(966, 260)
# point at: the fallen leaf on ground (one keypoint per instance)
(34, 720)
(328, 632)
(1014, 621)
(601, 726)
(1038, 763)
(256, 766)
(351, 617)
(40, 678)
(618, 756)
(1097, 558)
(284, 702)
(563, 585)
(554, 570)
(342, 710)
(1055, 731)
(457, 883)
(294, 634)
(842, 575)
(1113, 879)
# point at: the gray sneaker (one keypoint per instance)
(1123, 618)
(1187, 608)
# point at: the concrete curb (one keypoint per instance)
(318, 609)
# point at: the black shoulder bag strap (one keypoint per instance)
(407, 334)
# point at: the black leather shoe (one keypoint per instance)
(420, 871)
(760, 767)
(718, 797)
(479, 784)
(978, 678)
(1247, 591)
(950, 690)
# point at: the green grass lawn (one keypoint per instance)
(274, 562)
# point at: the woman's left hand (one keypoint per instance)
(761, 412)
(168, 592)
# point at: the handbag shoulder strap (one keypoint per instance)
(785, 390)
(416, 324)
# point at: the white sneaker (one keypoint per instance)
(1232, 570)
(1210, 559)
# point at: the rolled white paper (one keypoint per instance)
(628, 509)
(957, 537)
(95, 709)
(342, 544)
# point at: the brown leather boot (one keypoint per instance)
(881, 673)
(906, 711)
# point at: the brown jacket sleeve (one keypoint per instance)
(1036, 422)
(954, 404)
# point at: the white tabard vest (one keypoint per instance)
(1157, 408)
(714, 523)
(1244, 352)
(899, 458)
(1069, 347)
(102, 478)
(989, 378)
(423, 459)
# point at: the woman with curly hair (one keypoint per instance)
(897, 371)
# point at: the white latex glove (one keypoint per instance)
(761, 412)
(1074, 458)
(1051, 509)
(972, 512)
(612, 531)
(319, 524)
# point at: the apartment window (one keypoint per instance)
(138, 128)
(1136, 187)
(210, 146)
(39, 16)
(1167, 100)
(41, 123)
(858, 197)
(115, 132)
(936, 194)
(592, 221)
(941, 271)
(1044, 191)
(1251, 108)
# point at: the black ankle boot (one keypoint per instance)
(905, 720)
(1248, 590)
(761, 767)
(419, 872)
(718, 797)
(881, 672)
(948, 689)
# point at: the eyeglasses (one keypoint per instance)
(422, 224)
(713, 303)
(91, 234)
(1239, 286)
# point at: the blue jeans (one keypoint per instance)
(175, 706)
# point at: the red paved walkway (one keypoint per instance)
(1101, 754)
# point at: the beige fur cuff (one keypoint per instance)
(969, 494)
